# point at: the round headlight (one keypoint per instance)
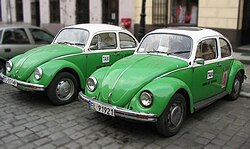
(91, 83)
(146, 98)
(38, 73)
(9, 66)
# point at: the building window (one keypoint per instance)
(184, 12)
(160, 8)
(19, 10)
(54, 11)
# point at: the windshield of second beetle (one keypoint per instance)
(74, 36)
(169, 44)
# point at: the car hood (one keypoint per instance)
(127, 76)
(27, 62)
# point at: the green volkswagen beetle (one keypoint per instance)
(61, 68)
(175, 71)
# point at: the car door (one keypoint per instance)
(103, 51)
(207, 77)
(127, 44)
(15, 41)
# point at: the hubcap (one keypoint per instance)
(175, 115)
(236, 86)
(65, 89)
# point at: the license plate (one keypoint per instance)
(108, 110)
(10, 81)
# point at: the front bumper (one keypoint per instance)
(122, 112)
(20, 84)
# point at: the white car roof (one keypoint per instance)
(93, 28)
(195, 33)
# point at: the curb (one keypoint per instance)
(245, 94)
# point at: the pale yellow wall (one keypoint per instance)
(218, 13)
(138, 6)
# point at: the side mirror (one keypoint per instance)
(93, 47)
(200, 61)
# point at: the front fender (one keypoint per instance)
(99, 74)
(51, 68)
(236, 67)
(162, 89)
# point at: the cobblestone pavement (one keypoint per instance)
(29, 120)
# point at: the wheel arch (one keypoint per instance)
(237, 66)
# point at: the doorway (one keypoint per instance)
(35, 13)
(82, 11)
(245, 39)
(110, 11)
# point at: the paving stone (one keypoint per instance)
(14, 144)
(201, 140)
(73, 145)
(47, 146)
(30, 138)
(56, 136)
(61, 141)
(30, 124)
(9, 138)
(24, 133)
(43, 133)
(3, 134)
(15, 129)
(211, 146)
(38, 128)
(42, 141)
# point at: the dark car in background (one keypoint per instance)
(17, 39)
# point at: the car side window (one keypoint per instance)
(1, 34)
(126, 41)
(15, 36)
(207, 49)
(40, 36)
(103, 41)
(225, 48)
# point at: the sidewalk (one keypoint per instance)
(242, 53)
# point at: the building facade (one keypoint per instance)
(55, 14)
(230, 17)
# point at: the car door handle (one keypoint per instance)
(219, 65)
(7, 50)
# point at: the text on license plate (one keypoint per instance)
(104, 109)
(10, 81)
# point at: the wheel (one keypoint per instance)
(2, 69)
(236, 87)
(170, 121)
(63, 89)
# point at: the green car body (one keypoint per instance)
(162, 86)
(61, 68)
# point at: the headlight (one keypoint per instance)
(38, 73)
(146, 98)
(9, 66)
(91, 84)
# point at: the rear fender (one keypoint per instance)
(237, 66)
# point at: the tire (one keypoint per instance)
(168, 124)
(63, 89)
(236, 88)
(2, 70)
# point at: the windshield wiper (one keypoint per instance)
(78, 44)
(178, 52)
(157, 52)
(64, 42)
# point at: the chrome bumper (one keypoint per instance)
(22, 85)
(121, 112)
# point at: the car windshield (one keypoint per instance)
(71, 36)
(169, 44)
